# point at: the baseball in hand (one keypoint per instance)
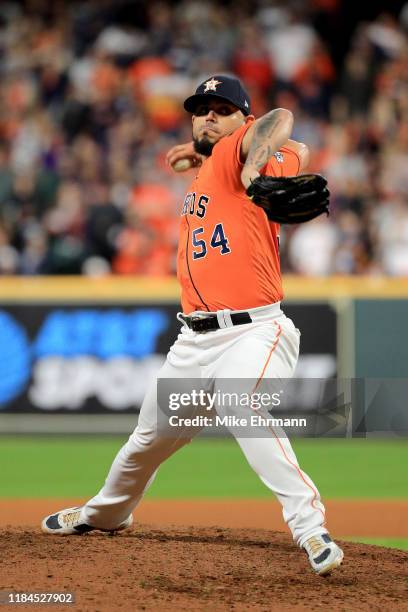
(181, 165)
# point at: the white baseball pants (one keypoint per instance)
(267, 348)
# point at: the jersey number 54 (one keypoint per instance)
(218, 241)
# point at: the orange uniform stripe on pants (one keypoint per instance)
(273, 347)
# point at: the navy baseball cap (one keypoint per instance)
(219, 86)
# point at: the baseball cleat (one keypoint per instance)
(324, 554)
(69, 522)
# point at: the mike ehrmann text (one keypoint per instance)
(255, 420)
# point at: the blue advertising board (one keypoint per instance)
(99, 358)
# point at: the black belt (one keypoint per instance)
(202, 324)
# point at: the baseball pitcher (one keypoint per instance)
(247, 184)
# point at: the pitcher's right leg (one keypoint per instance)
(132, 470)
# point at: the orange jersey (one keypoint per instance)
(228, 254)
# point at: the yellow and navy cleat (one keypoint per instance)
(324, 554)
(70, 522)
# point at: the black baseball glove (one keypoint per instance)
(292, 199)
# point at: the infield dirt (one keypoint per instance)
(176, 568)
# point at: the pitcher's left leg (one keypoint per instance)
(271, 352)
(274, 460)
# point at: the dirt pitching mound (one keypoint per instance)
(197, 569)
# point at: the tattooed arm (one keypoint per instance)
(262, 140)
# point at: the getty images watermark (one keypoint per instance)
(312, 408)
(209, 401)
(242, 407)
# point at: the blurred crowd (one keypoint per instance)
(91, 99)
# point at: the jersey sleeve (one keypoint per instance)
(226, 159)
(227, 163)
(283, 163)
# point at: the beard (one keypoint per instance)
(203, 146)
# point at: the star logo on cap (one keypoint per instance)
(211, 85)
